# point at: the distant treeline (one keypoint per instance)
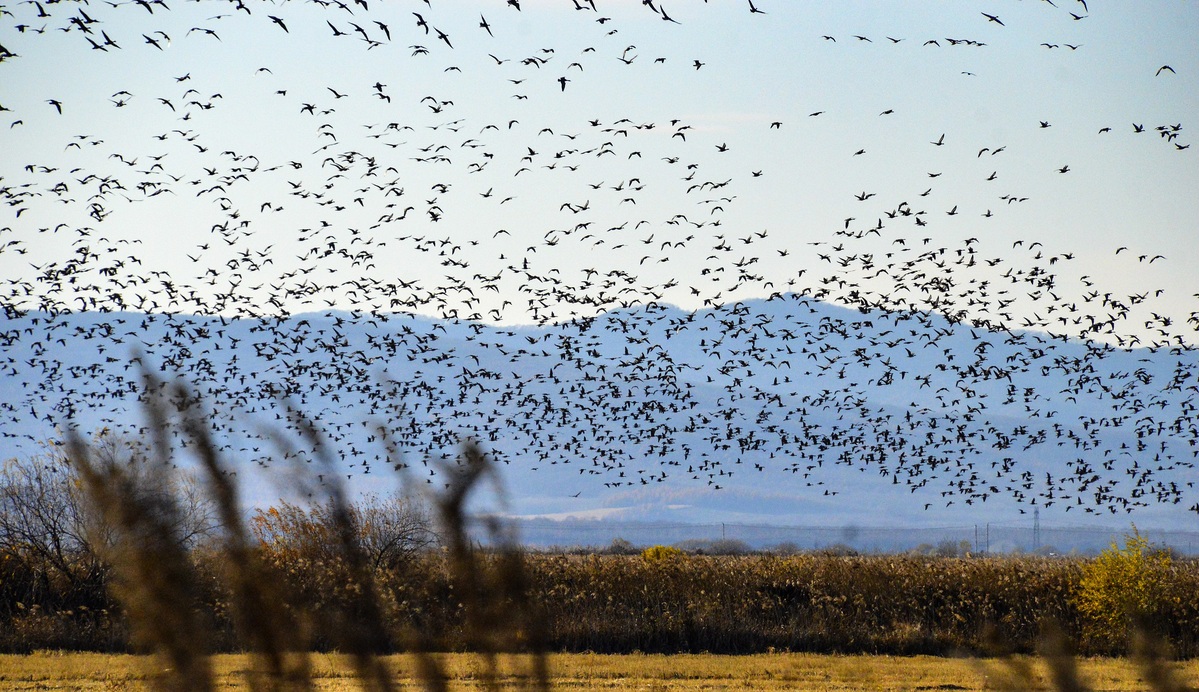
(742, 538)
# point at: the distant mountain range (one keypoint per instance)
(782, 411)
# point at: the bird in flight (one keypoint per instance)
(371, 292)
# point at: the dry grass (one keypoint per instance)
(900, 605)
(51, 670)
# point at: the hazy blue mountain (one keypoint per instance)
(782, 411)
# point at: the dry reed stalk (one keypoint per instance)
(155, 581)
(279, 655)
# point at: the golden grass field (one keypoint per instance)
(87, 671)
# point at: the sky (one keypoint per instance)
(641, 162)
(1026, 163)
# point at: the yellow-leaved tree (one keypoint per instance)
(1122, 589)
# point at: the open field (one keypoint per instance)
(52, 670)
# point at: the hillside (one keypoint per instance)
(781, 411)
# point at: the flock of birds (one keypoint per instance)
(946, 369)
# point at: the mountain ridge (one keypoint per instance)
(836, 400)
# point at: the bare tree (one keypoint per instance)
(45, 517)
(388, 529)
(391, 528)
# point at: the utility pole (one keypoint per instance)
(1036, 529)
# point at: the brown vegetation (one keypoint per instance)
(658, 601)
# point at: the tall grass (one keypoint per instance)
(157, 581)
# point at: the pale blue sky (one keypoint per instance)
(1121, 188)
